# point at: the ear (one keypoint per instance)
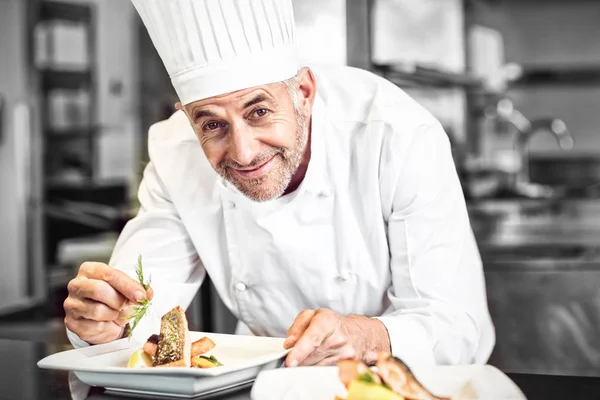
(307, 90)
(181, 107)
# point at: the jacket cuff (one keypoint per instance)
(76, 342)
(409, 340)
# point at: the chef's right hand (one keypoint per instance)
(100, 302)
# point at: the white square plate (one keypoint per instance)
(105, 365)
(469, 382)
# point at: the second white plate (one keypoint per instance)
(472, 382)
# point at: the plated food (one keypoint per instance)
(389, 379)
(172, 347)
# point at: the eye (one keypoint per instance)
(211, 126)
(260, 112)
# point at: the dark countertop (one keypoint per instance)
(21, 379)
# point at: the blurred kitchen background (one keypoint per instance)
(516, 83)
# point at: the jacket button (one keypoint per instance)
(231, 204)
(240, 286)
(346, 275)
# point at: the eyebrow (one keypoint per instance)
(202, 113)
(257, 99)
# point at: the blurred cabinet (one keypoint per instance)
(547, 320)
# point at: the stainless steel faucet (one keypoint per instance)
(526, 129)
(556, 127)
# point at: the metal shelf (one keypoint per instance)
(71, 133)
(59, 11)
(65, 79)
(415, 75)
(84, 184)
(565, 75)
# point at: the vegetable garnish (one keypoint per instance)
(367, 378)
(212, 359)
(140, 310)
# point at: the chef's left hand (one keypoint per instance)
(323, 337)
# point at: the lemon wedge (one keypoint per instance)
(359, 390)
(139, 359)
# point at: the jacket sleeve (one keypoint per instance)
(169, 258)
(437, 310)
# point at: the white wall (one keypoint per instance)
(553, 31)
(321, 31)
(429, 32)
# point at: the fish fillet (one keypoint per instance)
(174, 343)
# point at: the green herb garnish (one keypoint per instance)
(139, 311)
(366, 377)
(139, 271)
(212, 359)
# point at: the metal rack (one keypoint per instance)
(76, 141)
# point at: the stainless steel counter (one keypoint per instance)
(542, 269)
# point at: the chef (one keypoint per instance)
(322, 201)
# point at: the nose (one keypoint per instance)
(242, 146)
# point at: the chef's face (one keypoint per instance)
(257, 138)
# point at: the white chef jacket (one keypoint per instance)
(378, 227)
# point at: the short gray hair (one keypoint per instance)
(291, 85)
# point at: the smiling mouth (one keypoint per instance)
(257, 172)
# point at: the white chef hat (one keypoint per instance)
(212, 47)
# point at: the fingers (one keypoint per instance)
(93, 332)
(125, 314)
(344, 353)
(100, 302)
(97, 290)
(321, 326)
(334, 348)
(89, 309)
(298, 327)
(119, 280)
(327, 362)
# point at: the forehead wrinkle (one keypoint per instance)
(244, 96)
